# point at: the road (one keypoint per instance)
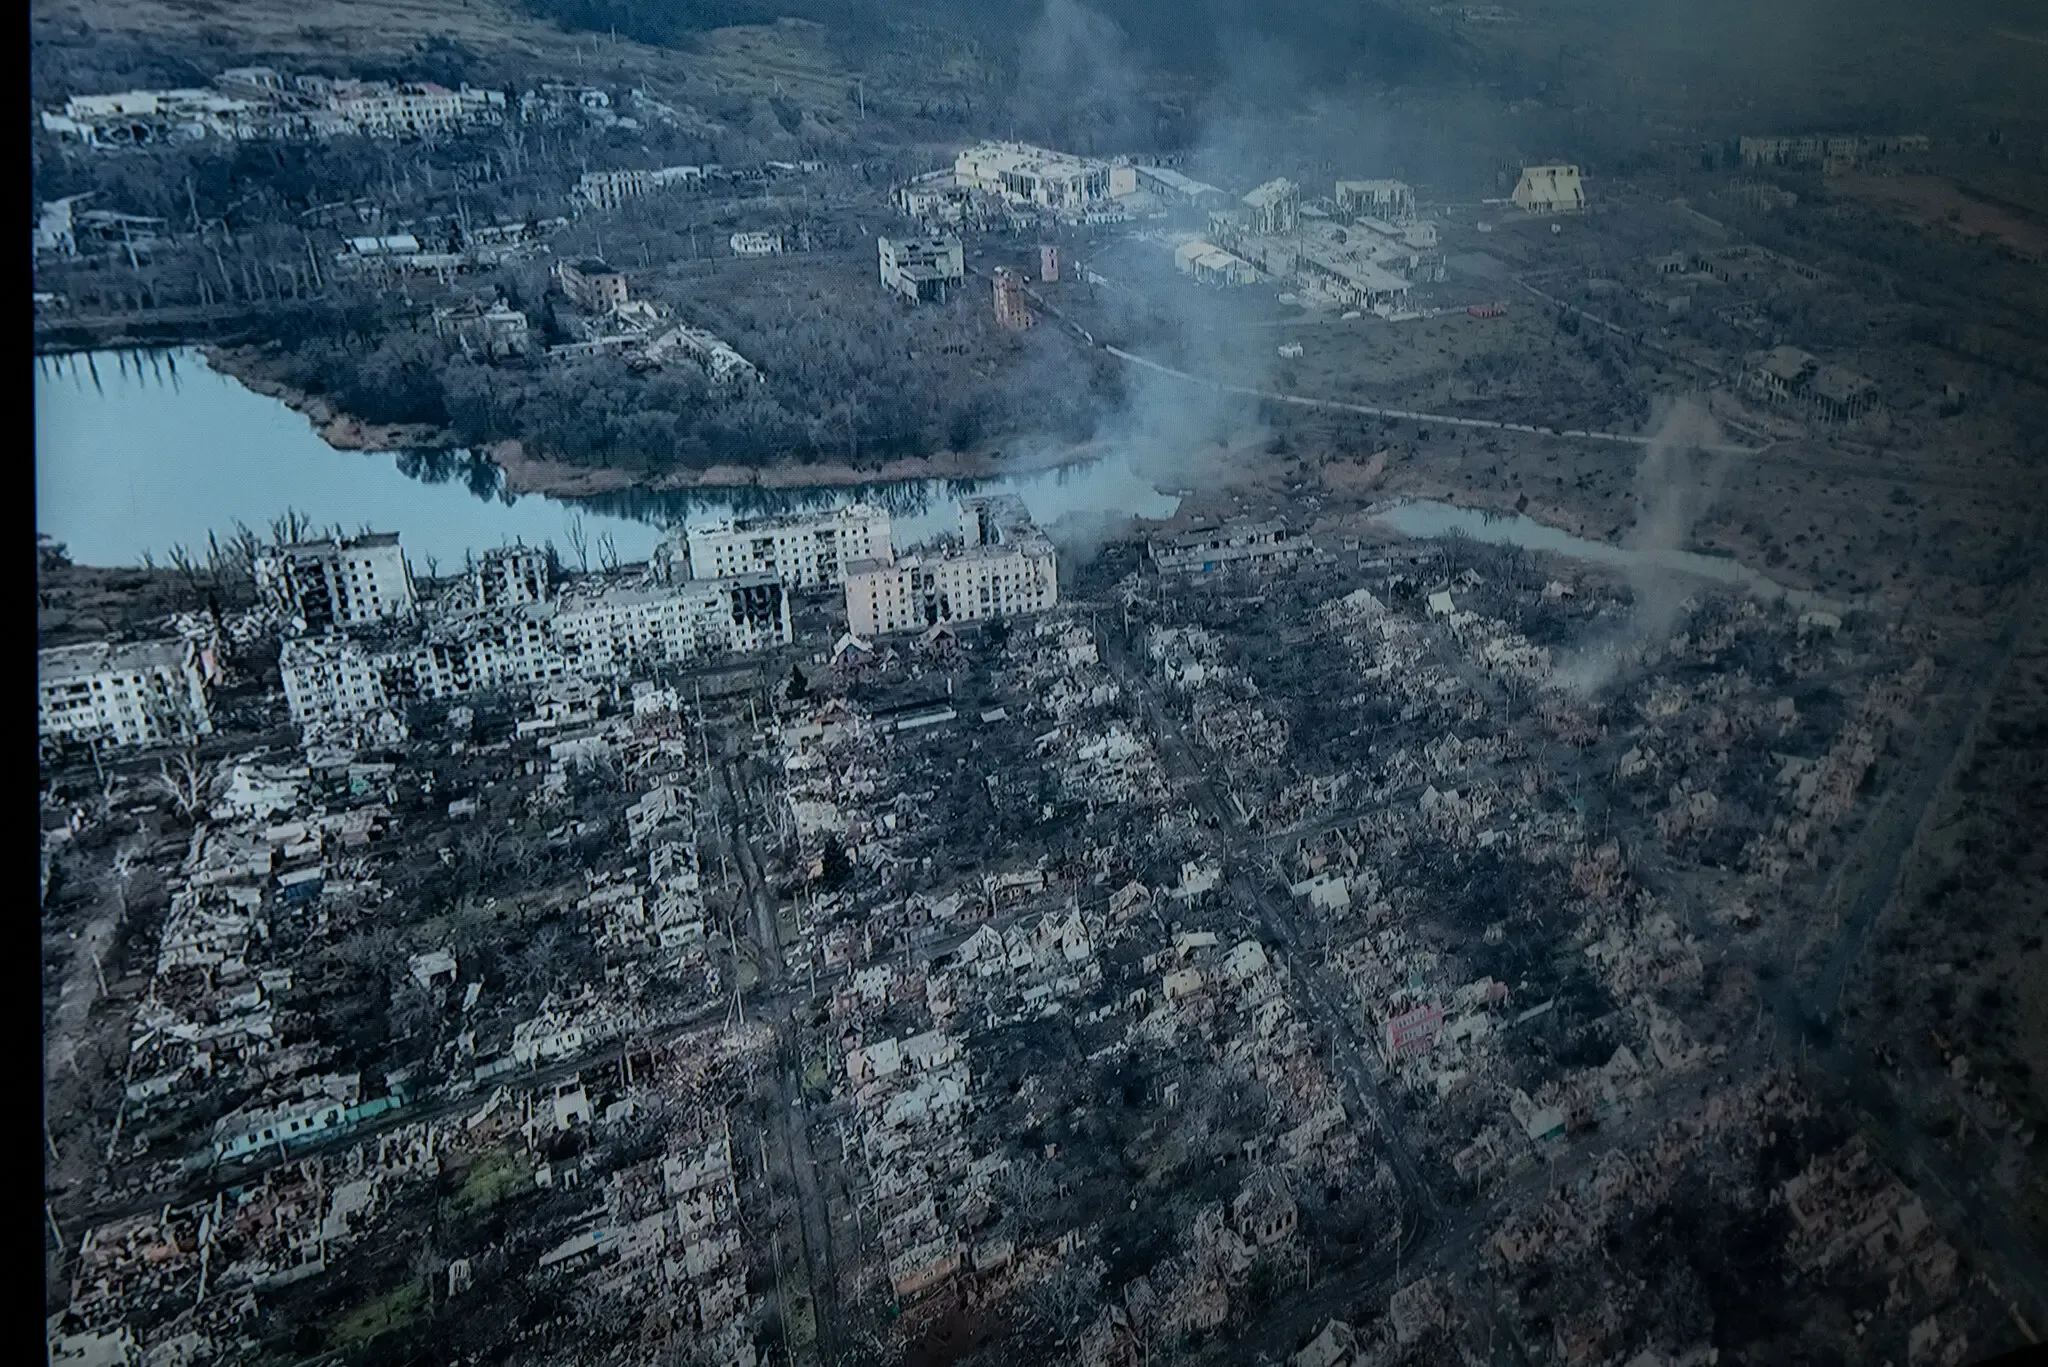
(791, 1119)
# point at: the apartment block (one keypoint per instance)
(144, 693)
(808, 551)
(1004, 567)
(320, 586)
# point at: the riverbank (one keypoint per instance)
(338, 429)
(528, 473)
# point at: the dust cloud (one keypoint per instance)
(1681, 475)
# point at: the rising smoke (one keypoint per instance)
(1681, 474)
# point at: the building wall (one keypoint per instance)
(148, 694)
(972, 586)
(337, 584)
(804, 553)
(607, 635)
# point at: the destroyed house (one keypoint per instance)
(1793, 378)
(1203, 549)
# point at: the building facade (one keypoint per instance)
(803, 552)
(320, 586)
(145, 693)
(921, 269)
(1033, 175)
(593, 285)
(1203, 549)
(604, 633)
(1005, 567)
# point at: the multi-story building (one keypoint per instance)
(806, 551)
(921, 269)
(145, 693)
(1004, 567)
(1202, 549)
(380, 110)
(593, 285)
(1011, 310)
(1273, 209)
(611, 632)
(1033, 175)
(319, 586)
(510, 575)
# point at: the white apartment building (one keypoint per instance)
(807, 551)
(607, 633)
(146, 693)
(1005, 567)
(320, 586)
(1033, 175)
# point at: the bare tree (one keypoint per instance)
(579, 542)
(183, 784)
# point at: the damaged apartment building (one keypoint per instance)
(1003, 566)
(511, 624)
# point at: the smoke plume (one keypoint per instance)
(1681, 474)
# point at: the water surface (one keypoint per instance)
(140, 452)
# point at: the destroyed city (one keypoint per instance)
(1072, 683)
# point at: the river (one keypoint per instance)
(139, 452)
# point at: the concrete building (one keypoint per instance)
(607, 632)
(1211, 265)
(756, 244)
(1011, 309)
(1392, 200)
(591, 284)
(378, 110)
(1796, 379)
(1004, 567)
(1550, 190)
(805, 551)
(1049, 263)
(921, 269)
(1031, 175)
(321, 586)
(147, 693)
(1202, 549)
(1274, 209)
(497, 332)
(1175, 188)
(509, 576)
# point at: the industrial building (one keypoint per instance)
(591, 284)
(1209, 264)
(144, 693)
(1273, 209)
(1550, 190)
(319, 586)
(921, 269)
(806, 551)
(1392, 200)
(1033, 175)
(1202, 549)
(1173, 187)
(1005, 566)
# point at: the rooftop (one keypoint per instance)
(61, 664)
